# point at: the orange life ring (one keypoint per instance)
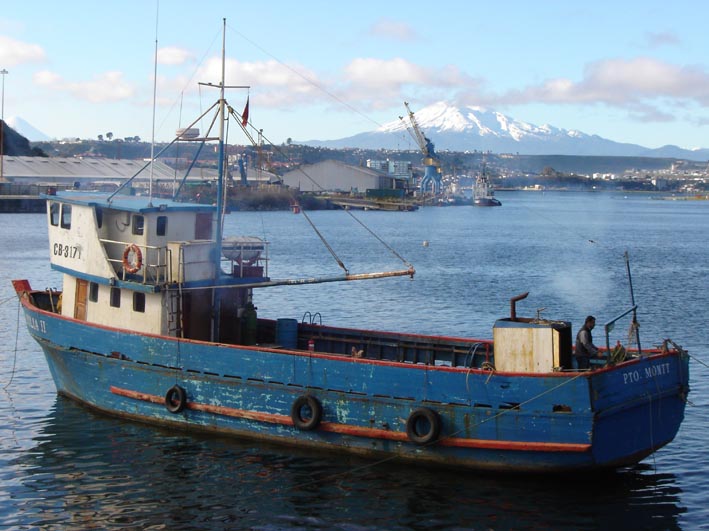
(132, 267)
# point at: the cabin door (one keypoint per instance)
(203, 227)
(80, 299)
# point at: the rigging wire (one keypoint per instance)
(327, 245)
(305, 78)
(278, 150)
(402, 133)
(565, 227)
(189, 81)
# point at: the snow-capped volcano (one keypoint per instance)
(26, 129)
(444, 118)
(475, 128)
(471, 128)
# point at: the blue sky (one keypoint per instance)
(628, 71)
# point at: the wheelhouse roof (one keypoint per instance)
(127, 203)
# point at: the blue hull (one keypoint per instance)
(552, 422)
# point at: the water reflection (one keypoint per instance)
(87, 471)
(64, 468)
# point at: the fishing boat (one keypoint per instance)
(483, 194)
(156, 324)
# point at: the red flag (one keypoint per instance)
(245, 114)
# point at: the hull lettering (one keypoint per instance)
(649, 372)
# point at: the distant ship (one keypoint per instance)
(483, 194)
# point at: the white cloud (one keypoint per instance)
(638, 85)
(106, 87)
(380, 83)
(14, 52)
(171, 55)
(365, 83)
(380, 73)
(274, 84)
(47, 78)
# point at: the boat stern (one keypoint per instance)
(639, 406)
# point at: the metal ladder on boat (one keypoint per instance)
(174, 320)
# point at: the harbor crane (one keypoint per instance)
(431, 162)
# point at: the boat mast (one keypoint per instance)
(632, 301)
(220, 172)
(155, 95)
(220, 192)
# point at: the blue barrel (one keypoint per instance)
(287, 333)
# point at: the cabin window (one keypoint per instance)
(138, 225)
(162, 226)
(139, 302)
(93, 291)
(116, 297)
(66, 216)
(54, 214)
(99, 217)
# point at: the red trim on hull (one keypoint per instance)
(517, 445)
(219, 410)
(359, 431)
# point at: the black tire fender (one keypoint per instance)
(306, 412)
(175, 399)
(423, 426)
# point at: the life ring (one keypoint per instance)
(306, 412)
(423, 426)
(175, 399)
(132, 267)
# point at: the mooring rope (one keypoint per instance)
(7, 300)
(17, 338)
(697, 360)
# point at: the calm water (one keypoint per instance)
(63, 467)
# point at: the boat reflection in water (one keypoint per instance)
(118, 474)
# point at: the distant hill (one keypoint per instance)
(477, 129)
(14, 144)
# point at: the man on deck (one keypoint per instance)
(585, 349)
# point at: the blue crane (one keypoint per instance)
(431, 162)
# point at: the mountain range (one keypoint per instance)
(473, 128)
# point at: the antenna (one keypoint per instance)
(155, 92)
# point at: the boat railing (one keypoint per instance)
(154, 262)
(399, 348)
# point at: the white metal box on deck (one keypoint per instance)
(192, 261)
(536, 346)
